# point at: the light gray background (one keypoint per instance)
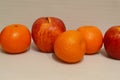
(34, 65)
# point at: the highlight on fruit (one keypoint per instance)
(50, 35)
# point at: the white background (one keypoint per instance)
(35, 65)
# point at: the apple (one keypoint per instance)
(112, 42)
(45, 30)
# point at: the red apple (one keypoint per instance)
(45, 30)
(112, 42)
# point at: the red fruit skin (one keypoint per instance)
(112, 42)
(45, 30)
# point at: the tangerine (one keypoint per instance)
(93, 37)
(70, 46)
(15, 38)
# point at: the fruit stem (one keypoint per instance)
(16, 25)
(48, 19)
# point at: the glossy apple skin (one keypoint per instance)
(112, 42)
(45, 30)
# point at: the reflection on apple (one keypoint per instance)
(112, 42)
(45, 30)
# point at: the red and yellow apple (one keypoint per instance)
(45, 30)
(112, 42)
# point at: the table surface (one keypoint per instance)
(35, 65)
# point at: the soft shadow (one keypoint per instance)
(33, 47)
(4, 52)
(60, 61)
(92, 54)
(103, 53)
(56, 59)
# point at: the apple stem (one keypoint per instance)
(48, 19)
